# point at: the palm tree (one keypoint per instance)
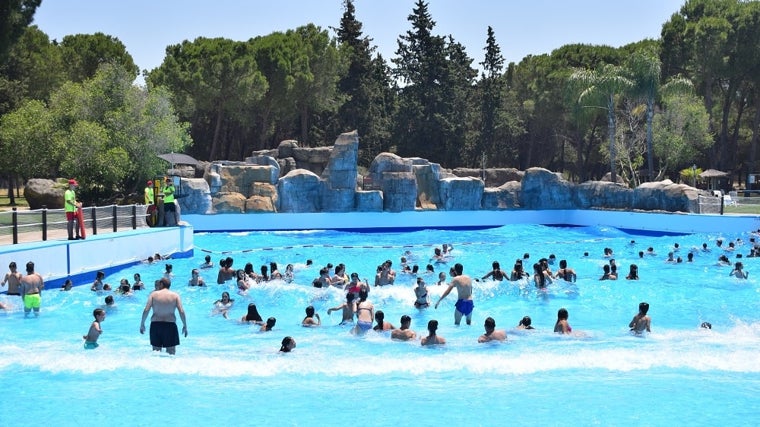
(645, 67)
(599, 90)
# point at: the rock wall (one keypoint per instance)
(326, 179)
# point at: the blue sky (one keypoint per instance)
(522, 27)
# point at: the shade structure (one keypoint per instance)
(178, 159)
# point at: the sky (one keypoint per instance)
(521, 27)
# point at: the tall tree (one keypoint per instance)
(434, 77)
(213, 80)
(105, 131)
(645, 69)
(601, 88)
(366, 85)
(492, 86)
(319, 68)
(15, 16)
(84, 53)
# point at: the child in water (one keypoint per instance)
(91, 339)
(641, 322)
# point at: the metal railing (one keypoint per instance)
(40, 224)
(733, 203)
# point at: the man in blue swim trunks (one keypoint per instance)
(464, 304)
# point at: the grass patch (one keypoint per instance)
(5, 202)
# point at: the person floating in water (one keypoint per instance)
(641, 322)
(91, 339)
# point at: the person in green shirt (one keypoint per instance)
(170, 209)
(149, 194)
(70, 206)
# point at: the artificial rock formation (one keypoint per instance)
(325, 179)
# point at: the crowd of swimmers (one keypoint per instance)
(357, 309)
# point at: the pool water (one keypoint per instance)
(228, 373)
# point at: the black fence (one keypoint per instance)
(41, 224)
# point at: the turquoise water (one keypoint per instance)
(226, 372)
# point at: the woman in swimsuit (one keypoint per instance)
(365, 314)
(562, 326)
(223, 305)
(423, 299)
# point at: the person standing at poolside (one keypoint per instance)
(432, 338)
(491, 333)
(464, 304)
(13, 279)
(31, 290)
(70, 206)
(170, 208)
(641, 321)
(149, 198)
(163, 323)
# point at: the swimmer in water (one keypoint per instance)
(738, 271)
(525, 323)
(641, 321)
(561, 326)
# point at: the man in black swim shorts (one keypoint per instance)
(163, 323)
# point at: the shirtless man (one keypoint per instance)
(491, 333)
(31, 287)
(13, 279)
(348, 309)
(463, 284)
(163, 323)
(385, 275)
(432, 338)
(404, 333)
(641, 322)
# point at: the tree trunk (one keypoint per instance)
(753, 141)
(11, 195)
(611, 131)
(217, 132)
(650, 119)
(304, 126)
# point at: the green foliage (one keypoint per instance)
(215, 81)
(681, 132)
(84, 53)
(28, 135)
(15, 16)
(369, 98)
(434, 105)
(105, 132)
